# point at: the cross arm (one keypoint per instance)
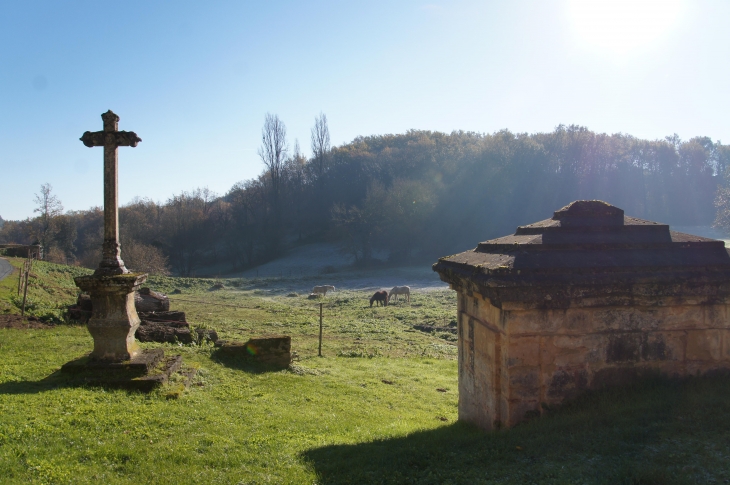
(118, 138)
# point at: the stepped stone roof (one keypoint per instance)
(591, 248)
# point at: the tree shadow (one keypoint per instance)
(409, 459)
(604, 437)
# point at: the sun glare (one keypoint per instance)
(622, 27)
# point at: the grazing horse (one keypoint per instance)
(401, 290)
(322, 290)
(380, 297)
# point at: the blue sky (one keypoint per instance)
(195, 79)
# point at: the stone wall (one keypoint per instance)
(515, 362)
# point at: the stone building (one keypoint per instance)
(586, 299)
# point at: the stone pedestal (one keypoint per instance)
(114, 320)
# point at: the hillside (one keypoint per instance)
(50, 290)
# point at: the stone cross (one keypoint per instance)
(111, 262)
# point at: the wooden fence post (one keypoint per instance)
(25, 292)
(20, 276)
(320, 330)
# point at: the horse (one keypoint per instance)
(401, 290)
(322, 290)
(380, 297)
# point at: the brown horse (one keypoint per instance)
(380, 297)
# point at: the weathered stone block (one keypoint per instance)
(273, 350)
(704, 345)
(725, 355)
(681, 317)
(489, 314)
(151, 329)
(716, 316)
(562, 350)
(520, 410)
(625, 319)
(146, 300)
(529, 322)
(623, 347)
(571, 320)
(523, 351)
(567, 382)
(524, 381)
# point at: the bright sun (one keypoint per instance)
(622, 27)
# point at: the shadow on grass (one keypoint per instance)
(659, 432)
(78, 373)
(54, 381)
(244, 364)
(61, 380)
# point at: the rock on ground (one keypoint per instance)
(146, 300)
(171, 327)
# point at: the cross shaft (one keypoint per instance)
(111, 138)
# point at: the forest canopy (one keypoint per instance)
(407, 197)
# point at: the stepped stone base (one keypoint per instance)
(144, 372)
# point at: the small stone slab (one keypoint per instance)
(146, 300)
(168, 326)
(161, 375)
(272, 350)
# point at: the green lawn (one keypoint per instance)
(369, 411)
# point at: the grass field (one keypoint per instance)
(371, 410)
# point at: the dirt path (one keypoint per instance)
(5, 268)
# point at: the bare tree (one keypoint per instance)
(273, 150)
(208, 197)
(320, 144)
(273, 153)
(49, 207)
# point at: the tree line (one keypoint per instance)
(408, 197)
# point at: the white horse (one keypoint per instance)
(322, 290)
(400, 290)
